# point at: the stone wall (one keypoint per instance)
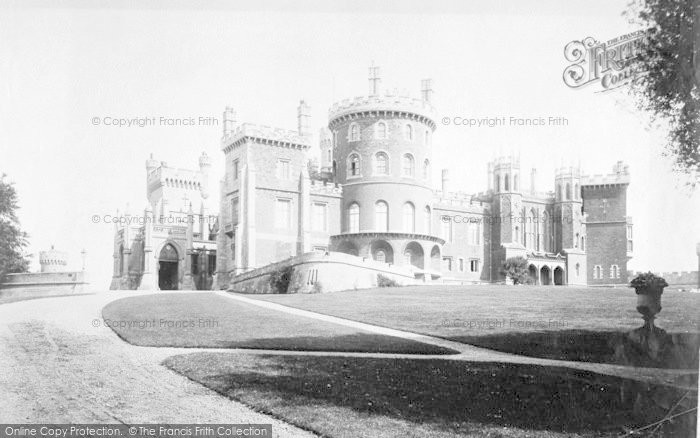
(322, 272)
(43, 284)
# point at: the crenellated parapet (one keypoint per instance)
(389, 105)
(619, 176)
(325, 188)
(265, 135)
(460, 200)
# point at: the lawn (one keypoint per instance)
(433, 398)
(209, 320)
(583, 324)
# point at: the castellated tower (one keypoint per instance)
(382, 147)
(609, 229)
(568, 223)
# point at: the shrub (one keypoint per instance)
(515, 268)
(384, 281)
(280, 279)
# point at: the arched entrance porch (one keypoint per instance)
(168, 267)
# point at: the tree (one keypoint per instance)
(669, 85)
(12, 239)
(515, 268)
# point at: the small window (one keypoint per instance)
(407, 165)
(474, 265)
(461, 265)
(408, 132)
(283, 214)
(381, 163)
(380, 131)
(283, 169)
(447, 263)
(235, 169)
(354, 165)
(354, 132)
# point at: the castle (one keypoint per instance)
(372, 198)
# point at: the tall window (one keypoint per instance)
(409, 218)
(597, 272)
(558, 192)
(474, 265)
(283, 213)
(446, 230)
(473, 233)
(531, 230)
(381, 130)
(577, 192)
(408, 132)
(354, 165)
(381, 216)
(428, 220)
(447, 263)
(426, 169)
(283, 169)
(354, 132)
(407, 165)
(515, 183)
(354, 218)
(234, 211)
(583, 243)
(381, 163)
(506, 183)
(568, 191)
(461, 265)
(319, 218)
(235, 169)
(629, 238)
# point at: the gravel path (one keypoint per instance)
(57, 367)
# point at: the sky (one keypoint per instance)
(67, 63)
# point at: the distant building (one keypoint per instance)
(172, 243)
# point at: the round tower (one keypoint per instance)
(53, 261)
(381, 155)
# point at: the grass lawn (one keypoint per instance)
(208, 320)
(366, 397)
(553, 322)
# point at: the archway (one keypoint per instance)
(545, 276)
(533, 273)
(435, 259)
(168, 262)
(348, 248)
(414, 255)
(382, 251)
(558, 276)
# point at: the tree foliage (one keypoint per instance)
(669, 86)
(12, 239)
(515, 268)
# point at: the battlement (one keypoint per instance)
(506, 162)
(174, 177)
(458, 199)
(567, 172)
(264, 134)
(387, 102)
(326, 188)
(620, 175)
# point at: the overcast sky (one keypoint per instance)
(65, 65)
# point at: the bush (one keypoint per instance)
(280, 279)
(515, 268)
(384, 281)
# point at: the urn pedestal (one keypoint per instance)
(649, 304)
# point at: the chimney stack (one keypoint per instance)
(303, 116)
(229, 121)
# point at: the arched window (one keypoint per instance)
(381, 216)
(614, 271)
(506, 183)
(578, 268)
(408, 132)
(407, 165)
(516, 234)
(354, 218)
(530, 229)
(354, 132)
(121, 259)
(381, 163)
(568, 191)
(426, 169)
(515, 183)
(577, 192)
(380, 130)
(498, 183)
(409, 218)
(354, 165)
(583, 243)
(597, 272)
(558, 192)
(428, 219)
(576, 241)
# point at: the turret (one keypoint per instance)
(204, 166)
(303, 116)
(568, 217)
(229, 121)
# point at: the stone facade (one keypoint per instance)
(373, 197)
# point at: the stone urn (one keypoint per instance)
(649, 288)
